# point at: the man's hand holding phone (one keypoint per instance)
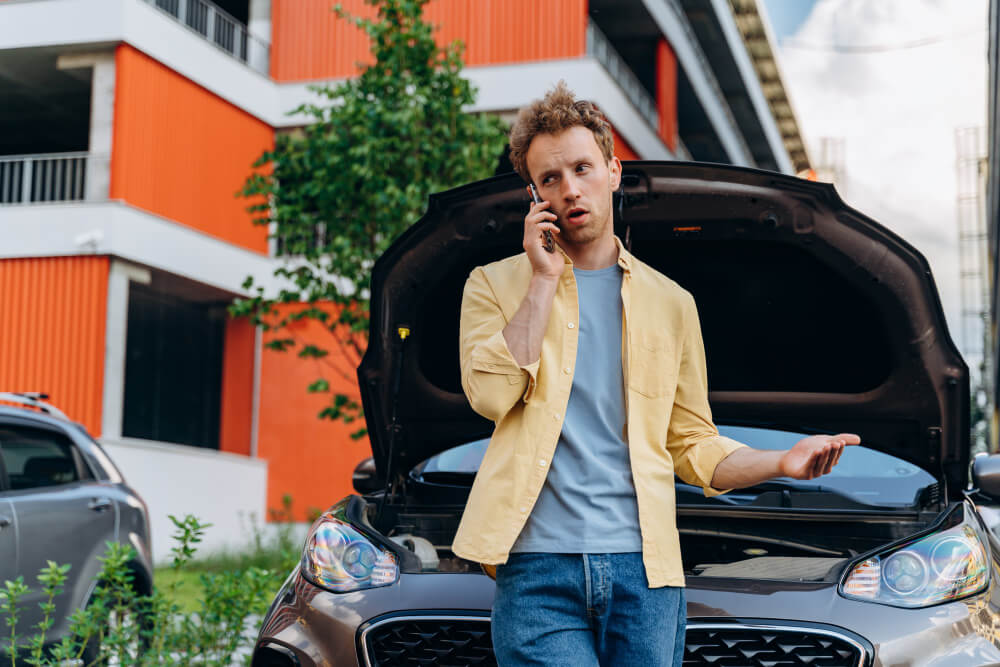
(539, 229)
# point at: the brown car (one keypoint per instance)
(886, 561)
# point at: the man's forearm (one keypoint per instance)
(747, 467)
(811, 457)
(526, 330)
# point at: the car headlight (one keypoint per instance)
(945, 566)
(339, 558)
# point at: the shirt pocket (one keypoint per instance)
(651, 365)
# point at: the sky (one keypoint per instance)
(787, 15)
(893, 79)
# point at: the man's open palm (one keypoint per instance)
(815, 455)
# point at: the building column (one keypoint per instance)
(666, 93)
(102, 107)
(259, 27)
(115, 336)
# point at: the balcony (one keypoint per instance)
(49, 177)
(221, 29)
(599, 47)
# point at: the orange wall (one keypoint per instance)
(309, 41)
(666, 92)
(52, 318)
(622, 148)
(309, 458)
(237, 387)
(181, 152)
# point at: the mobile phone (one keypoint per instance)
(550, 243)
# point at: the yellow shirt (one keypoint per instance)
(669, 426)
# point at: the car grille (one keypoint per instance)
(731, 645)
(454, 641)
(430, 641)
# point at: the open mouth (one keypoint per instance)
(576, 214)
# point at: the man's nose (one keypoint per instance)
(571, 189)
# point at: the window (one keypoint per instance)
(173, 367)
(37, 458)
(863, 474)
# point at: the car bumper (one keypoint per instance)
(311, 626)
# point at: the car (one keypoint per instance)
(62, 499)
(816, 319)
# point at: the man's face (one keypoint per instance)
(571, 173)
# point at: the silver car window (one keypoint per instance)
(37, 458)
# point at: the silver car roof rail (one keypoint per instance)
(33, 399)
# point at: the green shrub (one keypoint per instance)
(120, 626)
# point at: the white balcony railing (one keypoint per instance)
(601, 49)
(44, 177)
(221, 29)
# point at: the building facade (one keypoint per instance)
(128, 126)
(993, 211)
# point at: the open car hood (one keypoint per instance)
(814, 316)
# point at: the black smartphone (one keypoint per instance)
(550, 243)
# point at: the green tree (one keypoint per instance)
(343, 188)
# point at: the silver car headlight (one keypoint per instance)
(942, 567)
(340, 559)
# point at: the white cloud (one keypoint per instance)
(894, 79)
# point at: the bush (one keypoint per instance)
(120, 626)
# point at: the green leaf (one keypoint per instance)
(311, 351)
(280, 344)
(318, 386)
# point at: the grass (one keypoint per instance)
(278, 555)
(188, 591)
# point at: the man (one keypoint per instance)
(591, 364)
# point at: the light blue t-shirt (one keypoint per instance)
(587, 504)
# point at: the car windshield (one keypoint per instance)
(863, 475)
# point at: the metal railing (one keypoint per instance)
(221, 29)
(709, 76)
(599, 46)
(43, 177)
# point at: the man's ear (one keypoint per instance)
(615, 170)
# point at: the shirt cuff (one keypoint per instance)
(493, 356)
(715, 451)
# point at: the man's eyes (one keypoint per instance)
(580, 168)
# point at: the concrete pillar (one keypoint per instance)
(259, 27)
(115, 335)
(102, 108)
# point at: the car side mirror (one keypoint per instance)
(365, 479)
(986, 475)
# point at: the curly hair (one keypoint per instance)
(559, 110)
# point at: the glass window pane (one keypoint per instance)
(36, 458)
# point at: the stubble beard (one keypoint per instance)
(595, 228)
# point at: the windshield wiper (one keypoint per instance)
(791, 493)
(815, 497)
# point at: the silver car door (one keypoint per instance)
(8, 540)
(62, 514)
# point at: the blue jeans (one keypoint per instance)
(582, 610)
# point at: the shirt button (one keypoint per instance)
(524, 510)
(570, 325)
(567, 370)
(541, 462)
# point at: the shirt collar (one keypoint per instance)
(624, 256)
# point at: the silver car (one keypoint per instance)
(61, 499)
